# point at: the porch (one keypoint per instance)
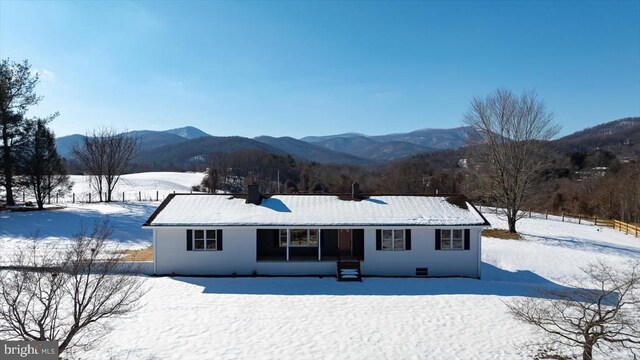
(309, 244)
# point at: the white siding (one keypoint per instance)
(422, 254)
(239, 256)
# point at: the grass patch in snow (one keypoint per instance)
(501, 234)
(145, 254)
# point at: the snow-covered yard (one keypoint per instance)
(319, 318)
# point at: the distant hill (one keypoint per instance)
(368, 148)
(187, 132)
(620, 137)
(431, 138)
(64, 144)
(196, 151)
(146, 138)
(311, 152)
(393, 146)
(313, 139)
(179, 147)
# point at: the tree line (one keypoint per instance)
(28, 156)
(509, 162)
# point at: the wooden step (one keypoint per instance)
(348, 271)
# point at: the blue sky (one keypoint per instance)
(314, 68)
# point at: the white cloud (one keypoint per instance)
(47, 75)
(44, 74)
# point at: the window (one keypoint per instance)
(393, 240)
(204, 240)
(451, 239)
(283, 237)
(299, 237)
(304, 237)
(456, 243)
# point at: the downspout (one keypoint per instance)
(155, 253)
(479, 252)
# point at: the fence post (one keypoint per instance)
(156, 195)
(123, 196)
(89, 197)
(529, 213)
(546, 213)
(563, 216)
(139, 195)
(49, 198)
(56, 198)
(579, 218)
(480, 208)
(23, 196)
(73, 198)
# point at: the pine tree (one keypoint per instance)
(43, 168)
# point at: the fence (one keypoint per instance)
(627, 228)
(93, 197)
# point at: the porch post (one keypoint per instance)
(288, 242)
(319, 245)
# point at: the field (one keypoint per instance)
(319, 318)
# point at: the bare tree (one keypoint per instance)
(606, 317)
(511, 134)
(65, 295)
(105, 155)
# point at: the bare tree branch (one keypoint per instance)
(510, 135)
(49, 294)
(605, 317)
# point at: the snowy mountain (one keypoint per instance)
(187, 132)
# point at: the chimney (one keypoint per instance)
(253, 194)
(355, 191)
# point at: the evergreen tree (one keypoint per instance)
(17, 94)
(43, 168)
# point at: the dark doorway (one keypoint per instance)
(344, 242)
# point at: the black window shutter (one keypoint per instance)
(467, 239)
(378, 239)
(437, 239)
(189, 240)
(219, 240)
(407, 239)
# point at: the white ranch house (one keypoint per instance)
(374, 235)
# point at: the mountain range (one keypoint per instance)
(163, 149)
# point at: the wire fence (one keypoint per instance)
(627, 228)
(94, 197)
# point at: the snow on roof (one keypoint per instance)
(316, 210)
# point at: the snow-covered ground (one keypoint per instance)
(145, 186)
(59, 226)
(319, 318)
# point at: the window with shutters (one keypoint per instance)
(453, 239)
(393, 240)
(205, 240)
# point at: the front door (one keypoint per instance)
(344, 242)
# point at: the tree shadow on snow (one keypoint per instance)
(495, 281)
(586, 244)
